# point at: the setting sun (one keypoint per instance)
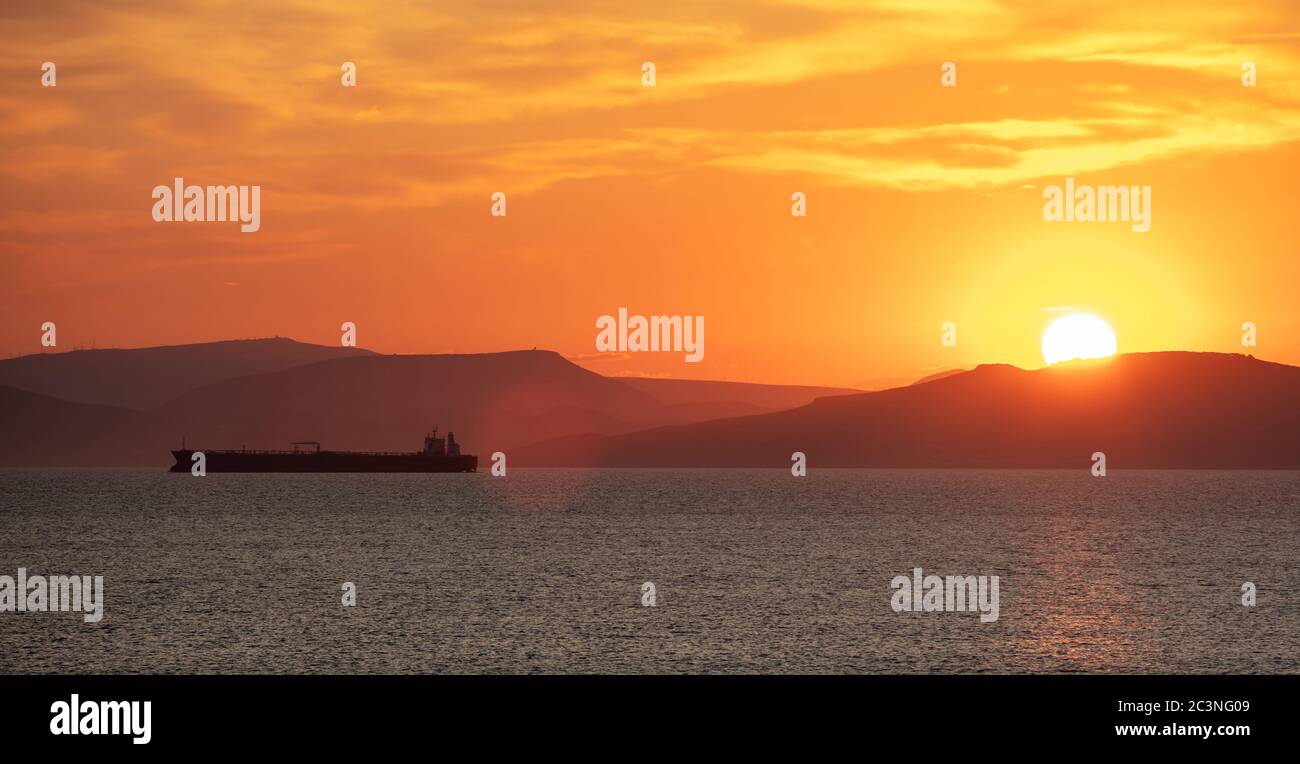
(1075, 336)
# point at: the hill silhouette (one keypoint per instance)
(352, 400)
(40, 430)
(141, 378)
(1148, 410)
(1172, 409)
(492, 400)
(696, 400)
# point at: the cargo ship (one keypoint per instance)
(306, 456)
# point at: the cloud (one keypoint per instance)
(454, 98)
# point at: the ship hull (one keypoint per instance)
(323, 461)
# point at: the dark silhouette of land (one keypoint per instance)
(1159, 410)
(141, 378)
(268, 393)
(1147, 410)
(42, 431)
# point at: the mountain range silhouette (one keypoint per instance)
(128, 407)
(116, 408)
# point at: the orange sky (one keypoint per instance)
(924, 203)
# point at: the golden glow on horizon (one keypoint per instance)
(1076, 336)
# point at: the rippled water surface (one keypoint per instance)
(755, 571)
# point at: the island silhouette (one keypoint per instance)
(128, 408)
